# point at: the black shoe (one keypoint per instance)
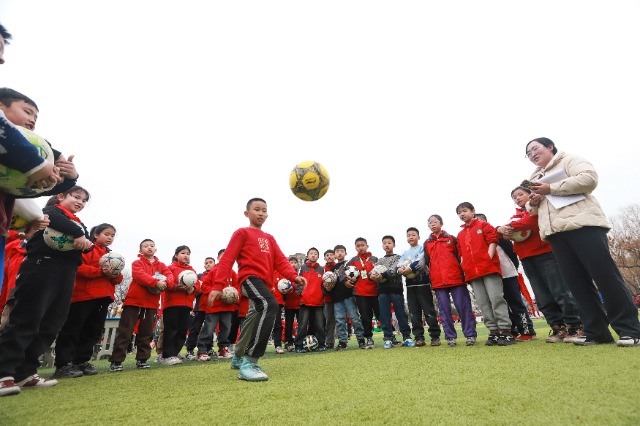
(492, 340)
(142, 364)
(341, 346)
(505, 340)
(115, 367)
(67, 372)
(301, 351)
(322, 348)
(87, 369)
(361, 344)
(395, 342)
(435, 341)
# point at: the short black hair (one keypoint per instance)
(9, 96)
(413, 228)
(146, 240)
(97, 230)
(293, 258)
(329, 251)
(361, 239)
(437, 216)
(389, 237)
(313, 248)
(5, 34)
(465, 204)
(220, 252)
(253, 200)
(339, 247)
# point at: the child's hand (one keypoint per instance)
(505, 230)
(46, 177)
(213, 296)
(41, 223)
(190, 290)
(107, 272)
(161, 285)
(82, 243)
(302, 281)
(182, 287)
(66, 167)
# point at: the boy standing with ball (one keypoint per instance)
(258, 256)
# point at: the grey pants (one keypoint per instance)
(489, 295)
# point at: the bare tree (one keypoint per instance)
(624, 240)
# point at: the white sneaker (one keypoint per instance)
(628, 341)
(172, 360)
(35, 381)
(8, 387)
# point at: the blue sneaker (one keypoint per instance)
(236, 362)
(409, 343)
(388, 344)
(251, 372)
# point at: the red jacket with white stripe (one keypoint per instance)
(312, 294)
(175, 297)
(473, 248)
(90, 282)
(142, 272)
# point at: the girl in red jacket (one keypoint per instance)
(477, 246)
(93, 292)
(311, 302)
(291, 310)
(447, 280)
(178, 302)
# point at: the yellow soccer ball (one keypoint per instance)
(309, 181)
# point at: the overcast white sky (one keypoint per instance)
(178, 112)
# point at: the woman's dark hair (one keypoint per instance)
(543, 141)
(96, 230)
(178, 250)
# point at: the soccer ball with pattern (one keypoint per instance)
(156, 290)
(520, 236)
(352, 272)
(112, 264)
(379, 269)
(310, 343)
(329, 280)
(407, 264)
(229, 295)
(309, 181)
(188, 278)
(284, 285)
(58, 240)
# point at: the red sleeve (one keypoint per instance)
(226, 263)
(526, 222)
(140, 275)
(490, 234)
(89, 267)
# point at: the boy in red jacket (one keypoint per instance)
(311, 302)
(150, 278)
(477, 248)
(259, 257)
(366, 290)
(291, 309)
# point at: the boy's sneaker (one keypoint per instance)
(588, 341)
(557, 334)
(301, 350)
(291, 348)
(573, 333)
(505, 340)
(396, 342)
(236, 362)
(68, 371)
(279, 350)
(369, 343)
(341, 346)
(388, 344)
(492, 340)
(525, 337)
(361, 344)
(471, 341)
(158, 358)
(172, 360)
(8, 387)
(409, 343)
(202, 357)
(116, 367)
(435, 341)
(420, 342)
(224, 353)
(87, 369)
(452, 342)
(251, 372)
(35, 381)
(141, 364)
(322, 348)
(628, 341)
(191, 356)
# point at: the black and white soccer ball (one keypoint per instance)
(352, 272)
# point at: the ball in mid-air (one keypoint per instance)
(309, 181)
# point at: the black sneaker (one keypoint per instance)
(87, 369)
(395, 342)
(322, 348)
(369, 343)
(67, 372)
(435, 341)
(505, 340)
(301, 350)
(115, 367)
(341, 346)
(361, 344)
(142, 364)
(492, 340)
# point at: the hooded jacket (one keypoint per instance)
(173, 297)
(91, 283)
(142, 273)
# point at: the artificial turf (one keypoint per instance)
(527, 383)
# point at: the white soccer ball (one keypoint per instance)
(520, 236)
(58, 240)
(112, 263)
(188, 278)
(407, 264)
(352, 272)
(284, 285)
(310, 343)
(229, 295)
(379, 269)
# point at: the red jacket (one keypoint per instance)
(274, 289)
(532, 246)
(142, 272)
(257, 254)
(91, 283)
(13, 256)
(312, 293)
(444, 265)
(174, 297)
(473, 247)
(365, 286)
(208, 286)
(292, 300)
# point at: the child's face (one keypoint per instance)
(74, 201)
(105, 238)
(257, 214)
(294, 263)
(21, 113)
(465, 214)
(362, 247)
(413, 238)
(435, 225)
(208, 264)
(313, 256)
(340, 254)
(388, 245)
(148, 249)
(330, 257)
(184, 256)
(520, 197)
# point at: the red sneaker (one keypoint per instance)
(8, 387)
(526, 337)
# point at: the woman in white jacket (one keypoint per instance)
(578, 234)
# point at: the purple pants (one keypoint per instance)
(462, 302)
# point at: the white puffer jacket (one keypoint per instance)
(582, 179)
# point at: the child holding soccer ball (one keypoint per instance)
(291, 309)
(311, 302)
(258, 256)
(93, 292)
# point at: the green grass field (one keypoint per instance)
(527, 383)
